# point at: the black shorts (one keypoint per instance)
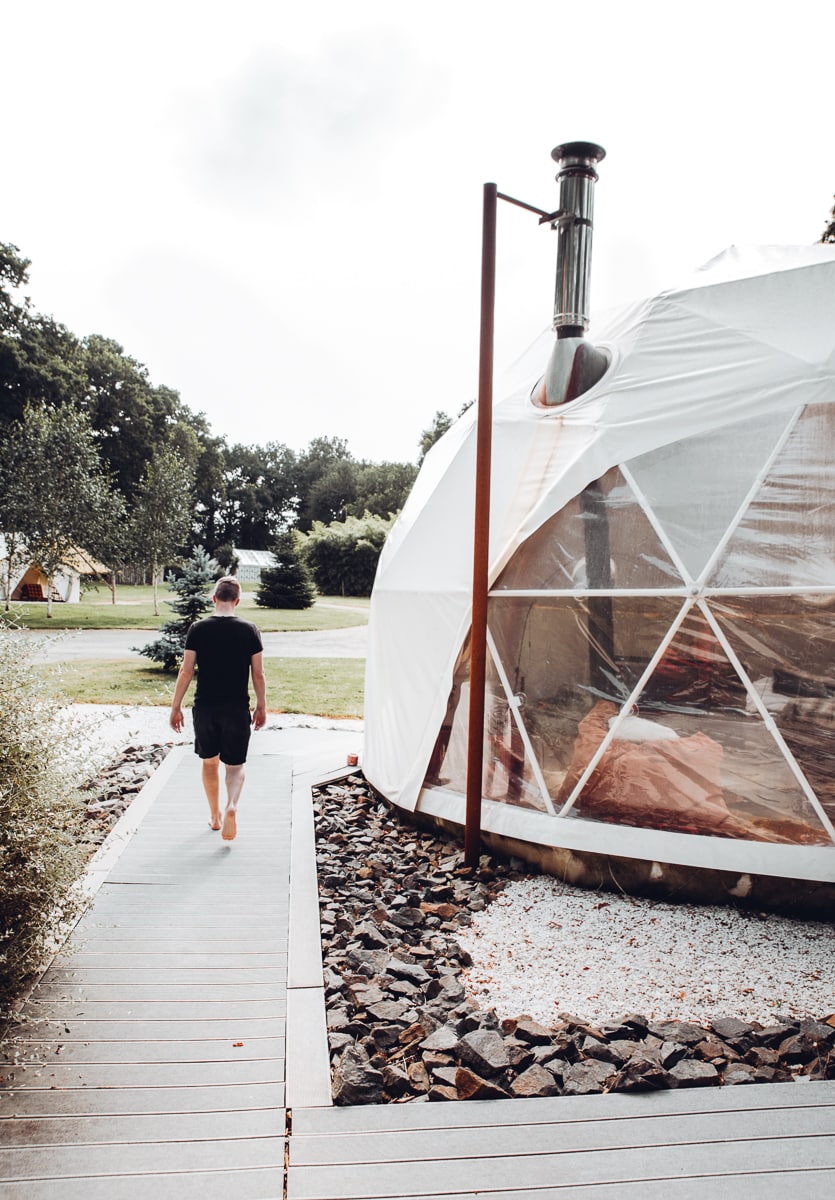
(222, 729)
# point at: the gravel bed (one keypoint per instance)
(444, 983)
(543, 947)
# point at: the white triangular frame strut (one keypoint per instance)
(514, 706)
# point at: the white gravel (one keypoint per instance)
(545, 947)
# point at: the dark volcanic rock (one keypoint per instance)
(484, 1050)
(402, 1028)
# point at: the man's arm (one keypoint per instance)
(259, 682)
(184, 678)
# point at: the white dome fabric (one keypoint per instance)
(709, 442)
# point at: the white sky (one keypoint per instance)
(277, 206)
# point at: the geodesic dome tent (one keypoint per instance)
(661, 621)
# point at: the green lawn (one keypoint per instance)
(325, 687)
(134, 610)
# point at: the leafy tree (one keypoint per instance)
(329, 496)
(131, 419)
(289, 583)
(343, 556)
(226, 558)
(261, 494)
(70, 504)
(41, 362)
(828, 234)
(162, 514)
(320, 461)
(382, 488)
(441, 422)
(14, 553)
(192, 586)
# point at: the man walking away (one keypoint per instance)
(225, 650)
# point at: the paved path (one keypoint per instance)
(120, 643)
(164, 1071)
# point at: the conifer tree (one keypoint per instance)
(289, 583)
(193, 589)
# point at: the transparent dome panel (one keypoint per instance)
(694, 756)
(787, 646)
(563, 655)
(509, 775)
(697, 486)
(600, 539)
(786, 537)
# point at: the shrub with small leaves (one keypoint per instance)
(41, 816)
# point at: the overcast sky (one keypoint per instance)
(276, 206)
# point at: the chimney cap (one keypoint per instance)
(589, 151)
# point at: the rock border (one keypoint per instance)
(401, 1027)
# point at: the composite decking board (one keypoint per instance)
(172, 1127)
(154, 1010)
(140, 1158)
(227, 1049)
(230, 960)
(177, 974)
(776, 1185)
(376, 1118)
(494, 1173)
(182, 992)
(147, 1031)
(103, 1102)
(148, 975)
(252, 1184)
(143, 1075)
(82, 1029)
(524, 1141)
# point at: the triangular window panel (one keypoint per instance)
(693, 759)
(600, 539)
(696, 486)
(787, 646)
(508, 775)
(566, 654)
(786, 538)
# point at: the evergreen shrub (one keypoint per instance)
(193, 587)
(289, 584)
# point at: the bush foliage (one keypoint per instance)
(40, 820)
(343, 556)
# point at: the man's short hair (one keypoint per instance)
(227, 588)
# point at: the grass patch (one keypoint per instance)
(134, 609)
(324, 687)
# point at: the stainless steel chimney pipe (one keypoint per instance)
(574, 365)
(573, 223)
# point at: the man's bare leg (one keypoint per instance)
(235, 777)
(211, 786)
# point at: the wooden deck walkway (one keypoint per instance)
(755, 1142)
(161, 1073)
(162, 1070)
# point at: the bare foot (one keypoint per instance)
(215, 822)
(230, 828)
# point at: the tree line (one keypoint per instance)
(96, 456)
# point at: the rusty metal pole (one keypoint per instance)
(481, 540)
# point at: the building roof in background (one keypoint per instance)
(254, 558)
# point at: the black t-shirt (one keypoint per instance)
(224, 648)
